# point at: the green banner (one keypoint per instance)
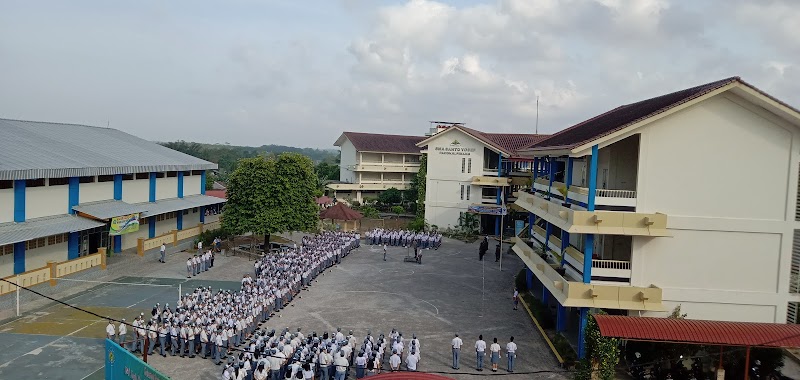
(121, 364)
(124, 224)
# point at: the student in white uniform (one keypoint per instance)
(511, 352)
(110, 330)
(480, 350)
(456, 344)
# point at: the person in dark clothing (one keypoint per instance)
(483, 249)
(497, 253)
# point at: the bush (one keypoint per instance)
(540, 311)
(355, 205)
(521, 281)
(564, 349)
(207, 236)
(397, 209)
(369, 212)
(418, 224)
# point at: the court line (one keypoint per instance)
(39, 349)
(396, 294)
(112, 282)
(93, 372)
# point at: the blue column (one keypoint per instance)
(551, 171)
(74, 193)
(561, 318)
(151, 224)
(564, 245)
(73, 243)
(152, 187)
(531, 220)
(19, 257)
(180, 220)
(118, 187)
(180, 185)
(535, 170)
(203, 182)
(568, 179)
(592, 179)
(587, 258)
(584, 315)
(202, 214)
(545, 295)
(117, 243)
(548, 229)
(500, 194)
(529, 278)
(19, 205)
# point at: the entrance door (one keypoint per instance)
(84, 249)
(94, 242)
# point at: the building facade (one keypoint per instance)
(63, 185)
(371, 163)
(645, 208)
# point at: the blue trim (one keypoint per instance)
(561, 318)
(118, 187)
(202, 214)
(19, 257)
(592, 179)
(535, 170)
(551, 173)
(152, 197)
(545, 296)
(588, 251)
(74, 197)
(548, 229)
(531, 219)
(584, 315)
(180, 184)
(568, 179)
(117, 243)
(151, 224)
(529, 278)
(180, 220)
(203, 182)
(564, 245)
(19, 201)
(73, 242)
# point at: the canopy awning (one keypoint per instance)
(176, 204)
(108, 209)
(340, 212)
(695, 331)
(41, 227)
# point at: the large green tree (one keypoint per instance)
(292, 187)
(390, 196)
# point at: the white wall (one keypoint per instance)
(6, 265)
(6, 206)
(129, 240)
(96, 191)
(136, 191)
(348, 160)
(734, 312)
(164, 226)
(167, 188)
(45, 201)
(191, 219)
(191, 185)
(38, 258)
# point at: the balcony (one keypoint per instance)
(603, 197)
(490, 181)
(593, 222)
(392, 167)
(370, 185)
(577, 294)
(605, 271)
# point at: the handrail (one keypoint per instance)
(611, 264)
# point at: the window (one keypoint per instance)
(105, 178)
(87, 179)
(194, 210)
(159, 174)
(57, 239)
(127, 177)
(186, 212)
(187, 173)
(197, 172)
(469, 165)
(143, 221)
(142, 175)
(58, 181)
(463, 164)
(6, 184)
(35, 243)
(7, 249)
(462, 192)
(35, 182)
(468, 187)
(172, 174)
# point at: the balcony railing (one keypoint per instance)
(579, 193)
(611, 264)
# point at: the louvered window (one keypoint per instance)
(791, 312)
(794, 277)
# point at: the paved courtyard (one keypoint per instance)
(433, 300)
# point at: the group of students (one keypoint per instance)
(404, 238)
(480, 352)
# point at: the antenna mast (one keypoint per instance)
(537, 114)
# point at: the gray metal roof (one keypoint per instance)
(175, 204)
(40, 227)
(31, 149)
(109, 209)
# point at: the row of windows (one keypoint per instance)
(39, 182)
(463, 192)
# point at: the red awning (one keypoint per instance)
(699, 331)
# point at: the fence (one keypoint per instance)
(173, 237)
(53, 270)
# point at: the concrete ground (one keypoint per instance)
(433, 300)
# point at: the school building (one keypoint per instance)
(68, 191)
(689, 199)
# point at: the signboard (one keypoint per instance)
(455, 149)
(124, 224)
(121, 364)
(488, 209)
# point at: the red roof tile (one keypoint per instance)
(623, 116)
(340, 212)
(699, 331)
(506, 142)
(376, 142)
(217, 193)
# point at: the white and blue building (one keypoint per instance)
(62, 184)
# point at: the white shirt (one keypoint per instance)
(163, 247)
(123, 329)
(480, 346)
(457, 343)
(411, 362)
(110, 330)
(394, 361)
(494, 347)
(511, 347)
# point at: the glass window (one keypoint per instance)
(468, 187)
(463, 164)
(469, 165)
(86, 179)
(105, 178)
(35, 182)
(462, 192)
(58, 181)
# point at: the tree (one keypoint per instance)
(390, 196)
(602, 353)
(418, 184)
(327, 171)
(292, 187)
(210, 179)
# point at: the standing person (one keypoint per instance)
(189, 268)
(163, 331)
(110, 330)
(480, 350)
(341, 364)
(515, 297)
(384, 251)
(394, 361)
(411, 360)
(483, 248)
(199, 247)
(163, 253)
(497, 253)
(456, 344)
(495, 350)
(511, 353)
(123, 329)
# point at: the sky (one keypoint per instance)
(299, 73)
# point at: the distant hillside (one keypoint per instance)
(226, 156)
